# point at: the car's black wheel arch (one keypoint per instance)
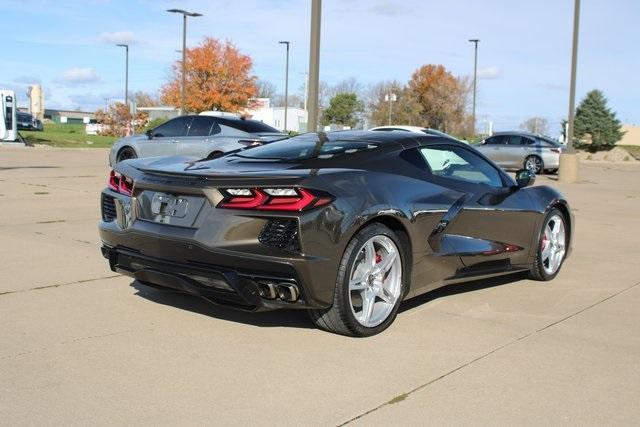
(125, 148)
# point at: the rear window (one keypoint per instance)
(250, 126)
(307, 146)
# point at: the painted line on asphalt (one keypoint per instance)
(403, 396)
(78, 282)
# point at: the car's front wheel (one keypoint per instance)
(552, 246)
(369, 287)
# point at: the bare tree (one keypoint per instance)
(538, 125)
(266, 89)
(144, 99)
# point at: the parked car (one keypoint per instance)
(26, 121)
(345, 225)
(514, 150)
(201, 136)
(414, 129)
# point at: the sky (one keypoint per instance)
(524, 56)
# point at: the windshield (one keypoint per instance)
(306, 146)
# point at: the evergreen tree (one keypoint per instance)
(343, 109)
(595, 122)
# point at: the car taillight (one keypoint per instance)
(273, 199)
(120, 183)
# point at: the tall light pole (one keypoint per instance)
(184, 52)
(475, 79)
(286, 85)
(568, 171)
(306, 91)
(390, 98)
(126, 74)
(314, 65)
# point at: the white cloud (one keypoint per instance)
(80, 75)
(489, 73)
(118, 37)
(388, 8)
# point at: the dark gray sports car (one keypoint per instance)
(344, 224)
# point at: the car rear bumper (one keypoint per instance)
(230, 272)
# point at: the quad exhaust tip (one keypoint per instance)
(284, 291)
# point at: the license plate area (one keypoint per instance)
(172, 209)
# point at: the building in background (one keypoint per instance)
(69, 117)
(631, 136)
(274, 116)
(36, 101)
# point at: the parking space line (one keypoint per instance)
(403, 396)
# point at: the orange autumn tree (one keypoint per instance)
(218, 77)
(442, 97)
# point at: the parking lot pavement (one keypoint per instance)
(81, 345)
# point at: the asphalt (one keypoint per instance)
(81, 345)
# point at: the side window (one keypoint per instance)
(495, 140)
(460, 164)
(174, 127)
(519, 140)
(201, 126)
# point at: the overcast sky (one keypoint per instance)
(524, 53)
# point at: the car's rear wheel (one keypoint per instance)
(552, 246)
(369, 287)
(534, 164)
(125, 154)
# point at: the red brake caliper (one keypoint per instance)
(378, 258)
(543, 241)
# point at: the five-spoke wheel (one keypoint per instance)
(552, 246)
(370, 284)
(375, 281)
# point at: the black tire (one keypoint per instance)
(539, 164)
(551, 171)
(537, 271)
(339, 318)
(126, 153)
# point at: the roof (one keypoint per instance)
(516, 132)
(408, 139)
(416, 129)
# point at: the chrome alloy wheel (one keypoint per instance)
(375, 281)
(533, 164)
(552, 244)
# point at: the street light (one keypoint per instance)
(184, 51)
(475, 79)
(314, 65)
(568, 171)
(286, 85)
(126, 74)
(390, 97)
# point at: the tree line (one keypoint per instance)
(219, 77)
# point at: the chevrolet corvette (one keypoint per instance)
(345, 225)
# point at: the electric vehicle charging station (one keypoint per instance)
(8, 123)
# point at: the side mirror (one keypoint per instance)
(525, 178)
(149, 133)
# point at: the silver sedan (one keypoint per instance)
(200, 136)
(516, 150)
